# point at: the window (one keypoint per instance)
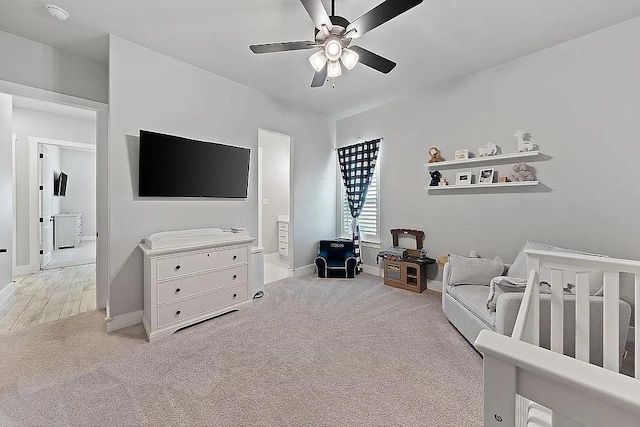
(370, 217)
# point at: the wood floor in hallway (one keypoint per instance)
(49, 295)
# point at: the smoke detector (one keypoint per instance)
(57, 11)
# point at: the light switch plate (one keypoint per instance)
(265, 201)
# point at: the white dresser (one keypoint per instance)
(67, 230)
(194, 279)
(283, 235)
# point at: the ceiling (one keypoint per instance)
(434, 42)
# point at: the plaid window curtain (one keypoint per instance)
(357, 163)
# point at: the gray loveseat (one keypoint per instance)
(465, 306)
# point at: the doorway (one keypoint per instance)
(275, 230)
(54, 215)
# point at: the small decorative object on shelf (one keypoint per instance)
(463, 178)
(462, 154)
(503, 179)
(489, 149)
(523, 172)
(434, 152)
(524, 141)
(486, 176)
(443, 182)
(435, 178)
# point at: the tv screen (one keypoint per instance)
(60, 185)
(171, 166)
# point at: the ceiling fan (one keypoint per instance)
(333, 37)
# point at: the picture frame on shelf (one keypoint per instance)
(463, 178)
(486, 176)
(462, 154)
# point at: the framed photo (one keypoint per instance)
(462, 154)
(486, 176)
(463, 178)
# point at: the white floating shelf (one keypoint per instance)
(493, 185)
(478, 160)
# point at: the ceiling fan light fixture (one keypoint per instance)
(334, 69)
(349, 58)
(333, 49)
(318, 60)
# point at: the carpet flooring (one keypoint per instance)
(312, 352)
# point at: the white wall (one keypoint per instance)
(80, 166)
(580, 102)
(37, 65)
(31, 123)
(6, 192)
(275, 185)
(148, 90)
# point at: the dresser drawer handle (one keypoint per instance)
(177, 267)
(177, 313)
(235, 257)
(235, 276)
(235, 295)
(178, 290)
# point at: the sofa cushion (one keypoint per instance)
(474, 299)
(474, 271)
(519, 267)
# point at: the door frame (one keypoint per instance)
(103, 196)
(35, 144)
(291, 192)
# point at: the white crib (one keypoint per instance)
(527, 385)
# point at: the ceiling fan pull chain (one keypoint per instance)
(333, 7)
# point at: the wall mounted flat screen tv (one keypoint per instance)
(171, 166)
(60, 185)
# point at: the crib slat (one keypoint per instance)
(611, 333)
(557, 311)
(637, 327)
(582, 316)
(533, 263)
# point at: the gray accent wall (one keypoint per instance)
(580, 102)
(148, 90)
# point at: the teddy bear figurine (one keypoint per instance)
(435, 178)
(434, 152)
(522, 173)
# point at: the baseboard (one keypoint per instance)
(7, 291)
(303, 271)
(434, 285)
(124, 320)
(87, 238)
(631, 335)
(371, 269)
(23, 270)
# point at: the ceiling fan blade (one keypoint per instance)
(318, 13)
(282, 47)
(373, 60)
(380, 14)
(319, 78)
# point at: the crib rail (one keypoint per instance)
(580, 394)
(526, 385)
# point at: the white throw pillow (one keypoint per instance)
(519, 267)
(473, 271)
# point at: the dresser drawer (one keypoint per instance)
(192, 285)
(283, 226)
(283, 249)
(201, 304)
(194, 263)
(283, 236)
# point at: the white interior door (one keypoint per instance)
(6, 191)
(46, 209)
